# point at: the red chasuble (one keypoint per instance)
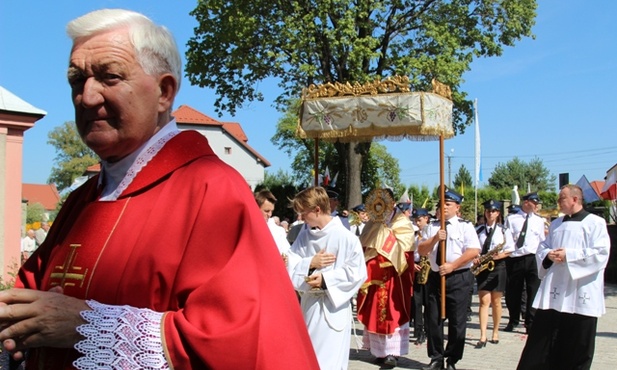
(384, 301)
(185, 238)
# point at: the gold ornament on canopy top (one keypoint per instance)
(385, 109)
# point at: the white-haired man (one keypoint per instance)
(139, 270)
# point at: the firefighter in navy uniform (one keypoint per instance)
(461, 247)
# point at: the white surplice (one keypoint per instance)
(328, 313)
(577, 285)
(279, 235)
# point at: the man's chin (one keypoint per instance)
(107, 152)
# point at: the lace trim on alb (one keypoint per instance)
(120, 337)
(139, 163)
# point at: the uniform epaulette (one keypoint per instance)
(480, 229)
(463, 220)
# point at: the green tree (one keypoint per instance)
(73, 157)
(517, 172)
(421, 196)
(237, 44)
(462, 180)
(378, 166)
(34, 212)
(283, 188)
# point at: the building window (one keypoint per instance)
(227, 150)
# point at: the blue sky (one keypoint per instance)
(551, 98)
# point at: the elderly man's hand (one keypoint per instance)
(32, 318)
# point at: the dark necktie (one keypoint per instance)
(358, 230)
(489, 238)
(521, 237)
(438, 260)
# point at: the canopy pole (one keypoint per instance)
(442, 243)
(316, 162)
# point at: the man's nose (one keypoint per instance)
(91, 95)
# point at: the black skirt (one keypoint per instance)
(493, 281)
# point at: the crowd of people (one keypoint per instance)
(165, 282)
(405, 264)
(404, 267)
(32, 240)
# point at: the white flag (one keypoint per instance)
(405, 197)
(478, 159)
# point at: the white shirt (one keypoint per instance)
(534, 235)
(461, 236)
(28, 245)
(279, 235)
(357, 229)
(500, 235)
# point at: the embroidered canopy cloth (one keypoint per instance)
(412, 115)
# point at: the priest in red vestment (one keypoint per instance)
(163, 261)
(384, 300)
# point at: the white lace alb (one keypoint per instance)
(120, 337)
(139, 163)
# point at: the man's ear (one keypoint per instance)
(168, 90)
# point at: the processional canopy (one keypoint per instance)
(385, 109)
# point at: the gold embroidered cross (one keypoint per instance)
(68, 271)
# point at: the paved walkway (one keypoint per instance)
(504, 355)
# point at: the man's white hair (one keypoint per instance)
(155, 47)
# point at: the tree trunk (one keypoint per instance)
(353, 170)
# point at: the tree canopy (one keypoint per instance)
(35, 212)
(73, 157)
(281, 185)
(302, 42)
(517, 172)
(462, 180)
(237, 44)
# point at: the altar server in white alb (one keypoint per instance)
(326, 266)
(571, 264)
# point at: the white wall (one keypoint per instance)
(240, 158)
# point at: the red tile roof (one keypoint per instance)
(597, 186)
(95, 168)
(187, 115)
(236, 130)
(46, 194)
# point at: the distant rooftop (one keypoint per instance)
(46, 194)
(189, 116)
(12, 103)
